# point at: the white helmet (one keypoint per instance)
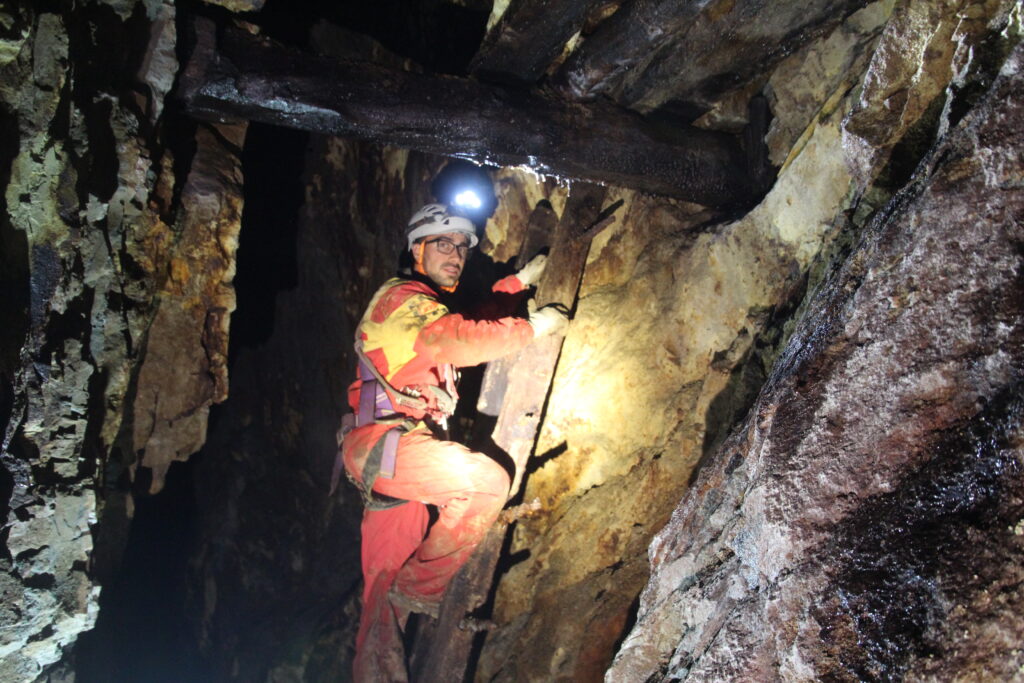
(438, 219)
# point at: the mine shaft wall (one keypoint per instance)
(703, 365)
(864, 522)
(119, 229)
(682, 318)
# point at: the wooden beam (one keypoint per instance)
(653, 51)
(530, 35)
(245, 77)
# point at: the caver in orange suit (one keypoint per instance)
(410, 345)
(413, 341)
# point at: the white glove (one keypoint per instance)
(549, 319)
(532, 271)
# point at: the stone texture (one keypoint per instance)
(677, 323)
(48, 598)
(185, 365)
(13, 34)
(238, 5)
(864, 520)
(160, 65)
(518, 190)
(926, 47)
(810, 84)
(88, 231)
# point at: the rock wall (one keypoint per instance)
(865, 520)
(830, 382)
(681, 318)
(118, 235)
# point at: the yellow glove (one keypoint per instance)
(549, 319)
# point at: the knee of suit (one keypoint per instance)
(495, 481)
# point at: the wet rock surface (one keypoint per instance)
(931, 61)
(864, 520)
(680, 317)
(676, 326)
(679, 324)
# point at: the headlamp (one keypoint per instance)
(468, 199)
(467, 189)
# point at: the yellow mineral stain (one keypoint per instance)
(179, 271)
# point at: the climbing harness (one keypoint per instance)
(376, 406)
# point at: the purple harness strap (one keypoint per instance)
(375, 406)
(374, 403)
(390, 454)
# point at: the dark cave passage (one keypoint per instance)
(272, 165)
(147, 630)
(143, 633)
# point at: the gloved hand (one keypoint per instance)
(549, 319)
(532, 271)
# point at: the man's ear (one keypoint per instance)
(417, 256)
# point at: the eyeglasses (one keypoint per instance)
(446, 246)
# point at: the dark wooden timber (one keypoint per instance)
(442, 649)
(653, 51)
(246, 77)
(530, 35)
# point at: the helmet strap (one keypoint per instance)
(417, 261)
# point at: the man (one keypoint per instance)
(409, 345)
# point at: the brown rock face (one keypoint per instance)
(679, 318)
(185, 366)
(864, 522)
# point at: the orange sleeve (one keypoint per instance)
(509, 284)
(506, 295)
(455, 339)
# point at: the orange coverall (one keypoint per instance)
(412, 339)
